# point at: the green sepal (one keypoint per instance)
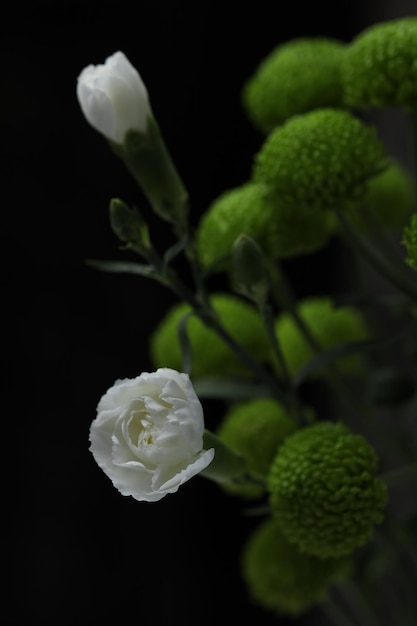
(148, 160)
(227, 465)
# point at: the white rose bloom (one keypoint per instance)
(113, 97)
(148, 434)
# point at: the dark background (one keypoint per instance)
(79, 549)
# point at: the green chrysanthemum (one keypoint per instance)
(320, 160)
(210, 354)
(280, 230)
(379, 68)
(410, 241)
(283, 580)
(390, 198)
(296, 77)
(329, 325)
(324, 490)
(255, 429)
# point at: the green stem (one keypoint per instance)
(285, 298)
(293, 403)
(208, 316)
(386, 246)
(412, 115)
(399, 279)
(359, 605)
(336, 614)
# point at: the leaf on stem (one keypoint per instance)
(123, 267)
(327, 357)
(230, 389)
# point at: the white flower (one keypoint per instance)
(148, 434)
(113, 97)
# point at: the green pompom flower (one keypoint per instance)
(255, 429)
(410, 241)
(211, 356)
(320, 160)
(379, 68)
(390, 198)
(329, 325)
(283, 580)
(298, 76)
(324, 491)
(279, 229)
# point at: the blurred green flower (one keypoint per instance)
(282, 579)
(379, 67)
(295, 77)
(211, 356)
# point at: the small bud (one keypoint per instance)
(129, 226)
(115, 102)
(114, 98)
(250, 268)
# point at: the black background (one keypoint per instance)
(79, 549)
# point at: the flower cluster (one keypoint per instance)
(304, 381)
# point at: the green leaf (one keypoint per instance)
(227, 464)
(327, 357)
(124, 267)
(230, 389)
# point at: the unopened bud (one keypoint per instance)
(129, 226)
(250, 268)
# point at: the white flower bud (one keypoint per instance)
(147, 436)
(114, 98)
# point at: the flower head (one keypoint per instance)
(324, 491)
(320, 160)
(379, 68)
(147, 436)
(114, 98)
(295, 77)
(282, 579)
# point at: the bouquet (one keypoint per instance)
(318, 394)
